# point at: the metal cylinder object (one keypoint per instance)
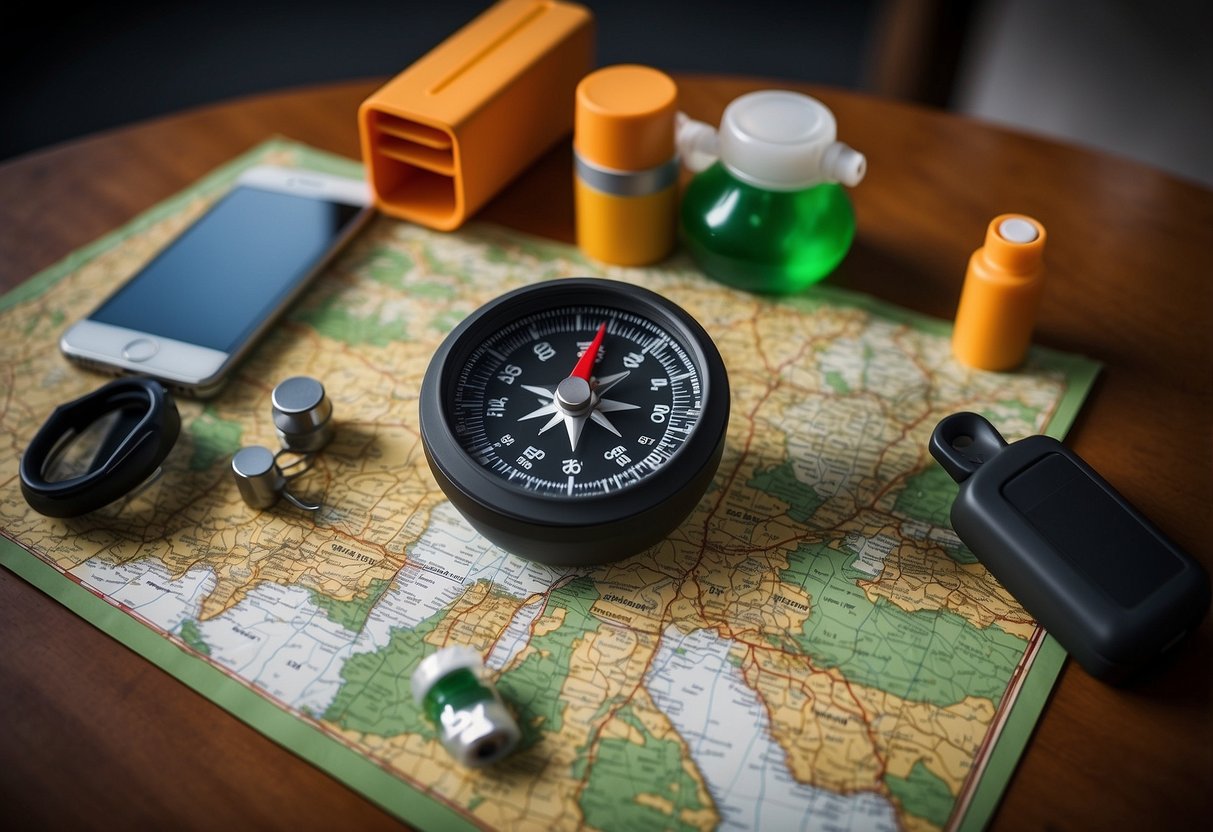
(303, 414)
(473, 723)
(261, 481)
(258, 476)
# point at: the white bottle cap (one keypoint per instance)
(1017, 230)
(784, 141)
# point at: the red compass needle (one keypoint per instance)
(585, 365)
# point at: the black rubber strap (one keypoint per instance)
(140, 439)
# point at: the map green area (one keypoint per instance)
(813, 648)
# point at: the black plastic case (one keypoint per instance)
(1110, 587)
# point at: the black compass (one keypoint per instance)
(575, 421)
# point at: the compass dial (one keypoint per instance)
(522, 414)
(560, 411)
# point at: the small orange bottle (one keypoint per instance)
(1001, 292)
(626, 183)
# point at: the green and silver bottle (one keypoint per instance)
(766, 211)
(473, 723)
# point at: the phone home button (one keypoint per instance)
(141, 349)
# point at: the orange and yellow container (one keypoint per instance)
(626, 164)
(1001, 293)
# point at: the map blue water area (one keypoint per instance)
(725, 726)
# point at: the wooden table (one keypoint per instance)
(95, 736)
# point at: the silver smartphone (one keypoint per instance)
(190, 314)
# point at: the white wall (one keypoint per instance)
(1133, 78)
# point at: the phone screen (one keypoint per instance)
(218, 281)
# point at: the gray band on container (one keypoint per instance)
(626, 183)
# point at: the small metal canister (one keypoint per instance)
(258, 476)
(474, 725)
(303, 414)
(261, 481)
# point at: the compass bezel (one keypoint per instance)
(605, 526)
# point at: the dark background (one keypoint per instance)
(1134, 77)
(69, 74)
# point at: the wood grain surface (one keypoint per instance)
(93, 736)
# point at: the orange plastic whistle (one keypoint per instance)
(1001, 293)
(444, 136)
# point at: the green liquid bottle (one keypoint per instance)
(767, 212)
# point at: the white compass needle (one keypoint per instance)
(544, 393)
(610, 406)
(602, 406)
(574, 424)
(605, 383)
(547, 410)
(605, 422)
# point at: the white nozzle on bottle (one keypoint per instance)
(774, 139)
(841, 163)
(697, 145)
